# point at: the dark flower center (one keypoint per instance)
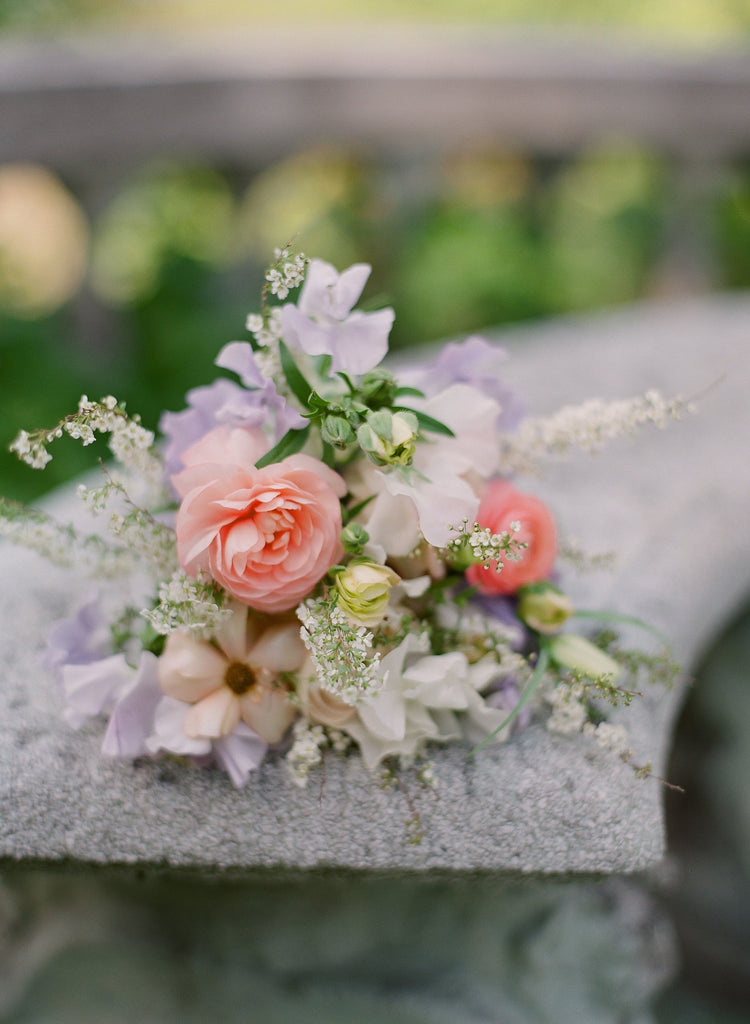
(239, 677)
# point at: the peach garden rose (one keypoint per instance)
(501, 505)
(265, 535)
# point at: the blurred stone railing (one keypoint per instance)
(95, 106)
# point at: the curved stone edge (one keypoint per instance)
(673, 505)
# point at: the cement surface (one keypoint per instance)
(673, 504)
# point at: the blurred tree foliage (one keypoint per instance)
(695, 20)
(479, 239)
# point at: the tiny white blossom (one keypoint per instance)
(187, 603)
(569, 715)
(341, 652)
(306, 750)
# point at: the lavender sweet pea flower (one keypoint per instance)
(474, 362)
(132, 718)
(95, 681)
(238, 356)
(224, 403)
(78, 640)
(94, 688)
(322, 322)
(505, 698)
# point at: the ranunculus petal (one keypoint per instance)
(501, 505)
(265, 535)
(236, 446)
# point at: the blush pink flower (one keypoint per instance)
(236, 678)
(265, 535)
(500, 506)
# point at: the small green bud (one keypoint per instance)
(574, 652)
(354, 537)
(388, 438)
(378, 388)
(461, 556)
(363, 589)
(337, 430)
(543, 607)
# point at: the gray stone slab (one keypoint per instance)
(673, 504)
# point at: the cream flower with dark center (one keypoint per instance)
(237, 677)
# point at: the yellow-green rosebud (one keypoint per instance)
(543, 607)
(363, 589)
(388, 438)
(568, 650)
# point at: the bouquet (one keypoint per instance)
(322, 557)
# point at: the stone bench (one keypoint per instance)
(490, 913)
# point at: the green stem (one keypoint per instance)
(542, 663)
(627, 620)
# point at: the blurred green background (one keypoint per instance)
(165, 272)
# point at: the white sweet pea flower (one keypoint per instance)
(419, 702)
(434, 493)
(322, 322)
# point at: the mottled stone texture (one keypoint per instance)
(371, 934)
(671, 503)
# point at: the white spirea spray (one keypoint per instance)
(288, 272)
(588, 426)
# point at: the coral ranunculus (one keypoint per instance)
(265, 535)
(500, 506)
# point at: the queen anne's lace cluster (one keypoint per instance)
(186, 603)
(484, 546)
(345, 663)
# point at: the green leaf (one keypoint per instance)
(291, 443)
(328, 455)
(412, 392)
(323, 366)
(350, 513)
(542, 663)
(294, 377)
(626, 620)
(427, 422)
